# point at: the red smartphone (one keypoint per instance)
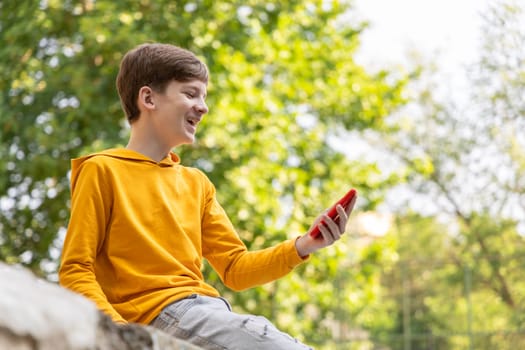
(345, 202)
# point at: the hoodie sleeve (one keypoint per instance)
(239, 268)
(91, 201)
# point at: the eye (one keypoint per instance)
(189, 94)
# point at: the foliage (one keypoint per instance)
(283, 82)
(459, 285)
(445, 296)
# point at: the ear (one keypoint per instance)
(145, 98)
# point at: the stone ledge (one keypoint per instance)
(37, 314)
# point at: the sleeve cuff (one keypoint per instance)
(293, 258)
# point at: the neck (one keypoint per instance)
(143, 145)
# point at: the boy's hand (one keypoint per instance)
(330, 231)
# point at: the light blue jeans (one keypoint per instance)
(210, 323)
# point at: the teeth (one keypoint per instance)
(192, 121)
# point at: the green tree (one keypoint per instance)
(283, 82)
(443, 295)
(463, 163)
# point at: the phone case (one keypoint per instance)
(344, 201)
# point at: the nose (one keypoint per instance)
(201, 107)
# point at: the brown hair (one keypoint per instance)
(155, 65)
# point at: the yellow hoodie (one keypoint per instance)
(139, 230)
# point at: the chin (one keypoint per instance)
(188, 141)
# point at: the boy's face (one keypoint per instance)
(178, 111)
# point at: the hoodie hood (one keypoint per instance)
(125, 154)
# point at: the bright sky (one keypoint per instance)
(450, 27)
(446, 30)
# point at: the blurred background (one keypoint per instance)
(418, 105)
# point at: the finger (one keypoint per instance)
(332, 227)
(343, 218)
(350, 206)
(319, 219)
(327, 235)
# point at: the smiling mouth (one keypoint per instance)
(193, 121)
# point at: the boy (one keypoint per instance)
(141, 223)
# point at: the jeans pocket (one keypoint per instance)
(164, 321)
(171, 315)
